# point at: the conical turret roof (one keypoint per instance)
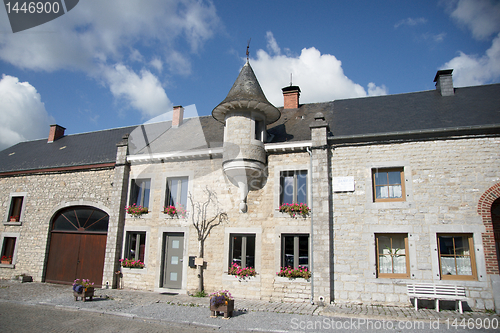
(246, 93)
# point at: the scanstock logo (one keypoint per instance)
(28, 14)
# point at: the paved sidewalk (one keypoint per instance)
(253, 315)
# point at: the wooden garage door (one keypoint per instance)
(77, 245)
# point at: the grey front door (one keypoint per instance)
(173, 245)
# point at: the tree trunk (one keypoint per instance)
(200, 268)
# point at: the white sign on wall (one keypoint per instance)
(343, 184)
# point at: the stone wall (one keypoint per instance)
(45, 194)
(444, 180)
(262, 219)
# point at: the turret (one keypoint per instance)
(245, 112)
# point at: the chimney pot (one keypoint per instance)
(178, 116)
(291, 96)
(56, 132)
(444, 82)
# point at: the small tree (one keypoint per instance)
(204, 220)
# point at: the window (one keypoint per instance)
(135, 245)
(388, 184)
(16, 206)
(295, 251)
(242, 251)
(8, 247)
(139, 194)
(392, 256)
(177, 191)
(293, 187)
(259, 129)
(456, 257)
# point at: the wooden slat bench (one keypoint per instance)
(437, 292)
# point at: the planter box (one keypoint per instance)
(227, 309)
(87, 292)
(6, 262)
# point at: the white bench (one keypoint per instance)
(437, 292)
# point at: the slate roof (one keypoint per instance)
(471, 108)
(477, 106)
(69, 151)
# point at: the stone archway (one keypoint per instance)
(489, 200)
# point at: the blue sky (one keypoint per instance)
(117, 63)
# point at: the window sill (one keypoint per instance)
(169, 217)
(134, 270)
(282, 279)
(250, 279)
(148, 215)
(7, 265)
(279, 214)
(18, 223)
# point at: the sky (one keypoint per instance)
(117, 63)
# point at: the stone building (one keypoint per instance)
(401, 189)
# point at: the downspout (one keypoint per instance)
(311, 237)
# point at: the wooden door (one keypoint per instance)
(77, 246)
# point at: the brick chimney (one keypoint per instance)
(444, 82)
(291, 97)
(56, 132)
(178, 116)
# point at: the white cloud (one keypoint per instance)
(319, 76)
(102, 34)
(144, 92)
(22, 112)
(482, 17)
(411, 22)
(470, 70)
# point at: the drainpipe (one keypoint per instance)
(312, 214)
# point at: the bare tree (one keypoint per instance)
(204, 219)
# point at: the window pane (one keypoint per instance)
(173, 191)
(147, 186)
(237, 242)
(385, 264)
(464, 266)
(9, 244)
(394, 177)
(381, 178)
(288, 251)
(399, 262)
(287, 189)
(184, 192)
(304, 251)
(302, 187)
(384, 245)
(250, 251)
(461, 246)
(446, 245)
(395, 191)
(448, 266)
(382, 192)
(15, 209)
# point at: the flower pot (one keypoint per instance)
(13, 219)
(86, 292)
(6, 262)
(226, 308)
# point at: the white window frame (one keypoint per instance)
(278, 170)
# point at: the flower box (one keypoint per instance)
(14, 219)
(84, 294)
(227, 308)
(6, 262)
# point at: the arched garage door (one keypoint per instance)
(77, 245)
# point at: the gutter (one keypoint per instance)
(312, 231)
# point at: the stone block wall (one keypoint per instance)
(45, 195)
(444, 180)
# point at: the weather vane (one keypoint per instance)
(248, 46)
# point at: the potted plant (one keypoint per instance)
(6, 260)
(172, 210)
(221, 301)
(295, 209)
(131, 263)
(83, 288)
(241, 273)
(14, 218)
(292, 273)
(137, 211)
